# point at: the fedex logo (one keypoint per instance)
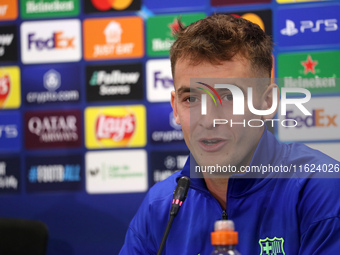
(321, 125)
(159, 81)
(50, 41)
(318, 119)
(162, 80)
(58, 40)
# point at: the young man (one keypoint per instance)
(273, 215)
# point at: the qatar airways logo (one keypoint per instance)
(238, 101)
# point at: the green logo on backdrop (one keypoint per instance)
(160, 29)
(315, 71)
(108, 171)
(32, 9)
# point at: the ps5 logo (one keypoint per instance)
(308, 25)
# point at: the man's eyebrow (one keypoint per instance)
(222, 90)
(185, 89)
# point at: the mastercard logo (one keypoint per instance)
(253, 18)
(105, 5)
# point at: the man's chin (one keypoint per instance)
(218, 175)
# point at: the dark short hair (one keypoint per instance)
(220, 37)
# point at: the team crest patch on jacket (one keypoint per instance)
(272, 246)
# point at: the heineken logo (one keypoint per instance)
(309, 65)
(174, 26)
(316, 71)
(48, 8)
(160, 31)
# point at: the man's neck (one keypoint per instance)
(218, 188)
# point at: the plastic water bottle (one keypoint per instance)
(224, 238)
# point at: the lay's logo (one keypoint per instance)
(50, 41)
(10, 87)
(117, 126)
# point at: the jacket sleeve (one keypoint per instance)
(134, 245)
(320, 217)
(321, 238)
(139, 238)
(146, 228)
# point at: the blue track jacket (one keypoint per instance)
(297, 215)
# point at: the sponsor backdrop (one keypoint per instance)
(86, 126)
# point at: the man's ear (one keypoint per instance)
(174, 106)
(268, 100)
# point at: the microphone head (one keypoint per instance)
(182, 188)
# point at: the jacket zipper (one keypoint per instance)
(224, 215)
(224, 212)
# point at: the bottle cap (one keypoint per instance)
(224, 233)
(226, 225)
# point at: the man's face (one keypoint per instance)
(222, 144)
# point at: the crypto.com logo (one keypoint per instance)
(238, 101)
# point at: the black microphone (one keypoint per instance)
(180, 194)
